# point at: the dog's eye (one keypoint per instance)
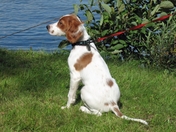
(60, 23)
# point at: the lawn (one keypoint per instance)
(34, 86)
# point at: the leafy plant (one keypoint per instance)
(105, 17)
(162, 45)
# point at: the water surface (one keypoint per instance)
(16, 15)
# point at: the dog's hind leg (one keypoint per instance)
(90, 111)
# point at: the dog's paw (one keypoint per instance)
(90, 111)
(84, 109)
(64, 107)
(99, 114)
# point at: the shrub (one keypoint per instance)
(151, 44)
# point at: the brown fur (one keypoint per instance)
(69, 25)
(83, 61)
(118, 112)
(106, 104)
(110, 82)
(113, 103)
(115, 108)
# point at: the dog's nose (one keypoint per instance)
(48, 26)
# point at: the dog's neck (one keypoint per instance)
(85, 36)
(85, 40)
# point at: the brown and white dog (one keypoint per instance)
(100, 92)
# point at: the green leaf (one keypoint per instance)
(107, 8)
(101, 20)
(91, 2)
(134, 23)
(116, 52)
(63, 44)
(89, 15)
(154, 1)
(166, 5)
(145, 20)
(163, 14)
(119, 3)
(76, 8)
(105, 32)
(118, 46)
(121, 8)
(155, 10)
(122, 42)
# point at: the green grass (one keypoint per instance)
(34, 85)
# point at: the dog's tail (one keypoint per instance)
(116, 110)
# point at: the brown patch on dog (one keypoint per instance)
(118, 112)
(110, 82)
(83, 61)
(106, 104)
(113, 103)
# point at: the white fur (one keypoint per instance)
(53, 30)
(95, 93)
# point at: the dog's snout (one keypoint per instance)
(48, 27)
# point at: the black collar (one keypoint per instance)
(84, 43)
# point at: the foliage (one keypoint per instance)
(161, 45)
(105, 17)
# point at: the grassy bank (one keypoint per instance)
(34, 85)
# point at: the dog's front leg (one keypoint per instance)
(74, 82)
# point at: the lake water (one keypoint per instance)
(16, 15)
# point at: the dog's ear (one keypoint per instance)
(75, 32)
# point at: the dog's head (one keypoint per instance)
(69, 26)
